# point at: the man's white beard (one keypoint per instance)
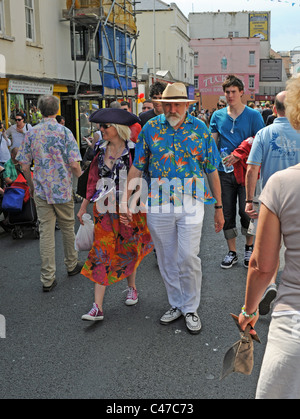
(174, 119)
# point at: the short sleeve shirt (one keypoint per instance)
(281, 196)
(53, 149)
(16, 136)
(274, 148)
(232, 132)
(183, 155)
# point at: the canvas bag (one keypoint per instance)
(13, 198)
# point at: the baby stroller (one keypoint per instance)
(19, 208)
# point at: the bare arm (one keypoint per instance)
(250, 182)
(27, 173)
(83, 210)
(134, 173)
(263, 263)
(215, 186)
(76, 169)
(215, 136)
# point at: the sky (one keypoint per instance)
(285, 18)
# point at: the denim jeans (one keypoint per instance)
(233, 193)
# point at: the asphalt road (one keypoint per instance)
(49, 353)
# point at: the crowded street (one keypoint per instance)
(149, 202)
(50, 353)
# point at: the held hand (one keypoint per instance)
(219, 220)
(230, 160)
(244, 321)
(125, 214)
(81, 212)
(249, 210)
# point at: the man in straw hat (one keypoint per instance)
(177, 148)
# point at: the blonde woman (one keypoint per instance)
(118, 249)
(292, 102)
(279, 217)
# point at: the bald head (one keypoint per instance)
(279, 103)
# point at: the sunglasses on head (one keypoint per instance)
(105, 126)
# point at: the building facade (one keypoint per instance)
(216, 58)
(235, 43)
(163, 48)
(55, 48)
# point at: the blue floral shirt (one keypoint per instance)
(176, 159)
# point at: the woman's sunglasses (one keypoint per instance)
(105, 126)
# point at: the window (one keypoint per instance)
(196, 58)
(251, 82)
(196, 82)
(82, 41)
(2, 27)
(233, 34)
(29, 18)
(252, 58)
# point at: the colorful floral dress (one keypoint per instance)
(118, 249)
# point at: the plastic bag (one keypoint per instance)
(85, 236)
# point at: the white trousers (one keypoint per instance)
(176, 237)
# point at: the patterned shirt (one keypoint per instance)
(176, 160)
(10, 170)
(53, 149)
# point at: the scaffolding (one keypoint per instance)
(114, 23)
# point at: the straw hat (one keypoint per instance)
(175, 92)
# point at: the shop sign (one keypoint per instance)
(29, 87)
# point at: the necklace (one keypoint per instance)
(113, 158)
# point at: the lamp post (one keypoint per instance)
(154, 41)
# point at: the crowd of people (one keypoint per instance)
(149, 179)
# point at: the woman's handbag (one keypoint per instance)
(82, 183)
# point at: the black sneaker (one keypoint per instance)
(229, 260)
(267, 299)
(247, 256)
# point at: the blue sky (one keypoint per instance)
(285, 18)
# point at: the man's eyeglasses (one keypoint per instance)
(221, 105)
(105, 126)
(18, 120)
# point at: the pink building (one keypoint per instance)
(217, 57)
